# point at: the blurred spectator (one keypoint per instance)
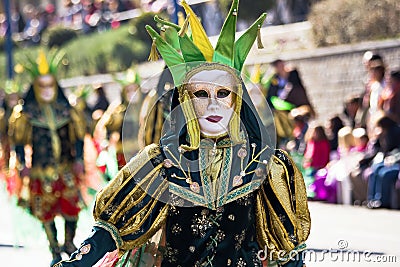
(382, 158)
(316, 155)
(72, 17)
(359, 175)
(17, 20)
(338, 172)
(102, 101)
(3, 24)
(290, 11)
(35, 23)
(97, 105)
(352, 114)
(360, 139)
(333, 125)
(390, 98)
(211, 17)
(301, 117)
(287, 85)
(285, 92)
(374, 88)
(346, 141)
(10, 97)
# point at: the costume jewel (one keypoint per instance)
(259, 172)
(242, 153)
(168, 163)
(194, 186)
(237, 180)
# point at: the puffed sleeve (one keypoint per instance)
(19, 131)
(283, 218)
(127, 212)
(77, 130)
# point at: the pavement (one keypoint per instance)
(340, 236)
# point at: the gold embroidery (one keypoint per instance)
(271, 233)
(135, 200)
(107, 195)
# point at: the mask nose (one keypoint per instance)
(213, 104)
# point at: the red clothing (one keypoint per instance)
(61, 196)
(316, 154)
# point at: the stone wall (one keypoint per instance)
(330, 74)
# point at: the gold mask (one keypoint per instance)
(45, 87)
(212, 96)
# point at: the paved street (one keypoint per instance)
(340, 236)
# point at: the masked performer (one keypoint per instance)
(54, 131)
(13, 93)
(213, 182)
(155, 109)
(121, 119)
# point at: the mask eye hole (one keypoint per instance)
(222, 93)
(201, 94)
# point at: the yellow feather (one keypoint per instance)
(43, 65)
(199, 35)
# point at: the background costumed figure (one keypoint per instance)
(54, 131)
(109, 129)
(12, 96)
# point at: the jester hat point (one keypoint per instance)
(180, 48)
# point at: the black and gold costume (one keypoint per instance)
(214, 216)
(55, 133)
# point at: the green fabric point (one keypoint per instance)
(169, 54)
(246, 41)
(224, 51)
(189, 50)
(185, 45)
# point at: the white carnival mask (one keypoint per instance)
(212, 94)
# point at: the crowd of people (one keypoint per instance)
(29, 22)
(353, 158)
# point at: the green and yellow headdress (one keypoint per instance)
(182, 52)
(44, 64)
(181, 48)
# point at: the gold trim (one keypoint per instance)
(181, 191)
(123, 177)
(118, 213)
(157, 224)
(112, 230)
(140, 220)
